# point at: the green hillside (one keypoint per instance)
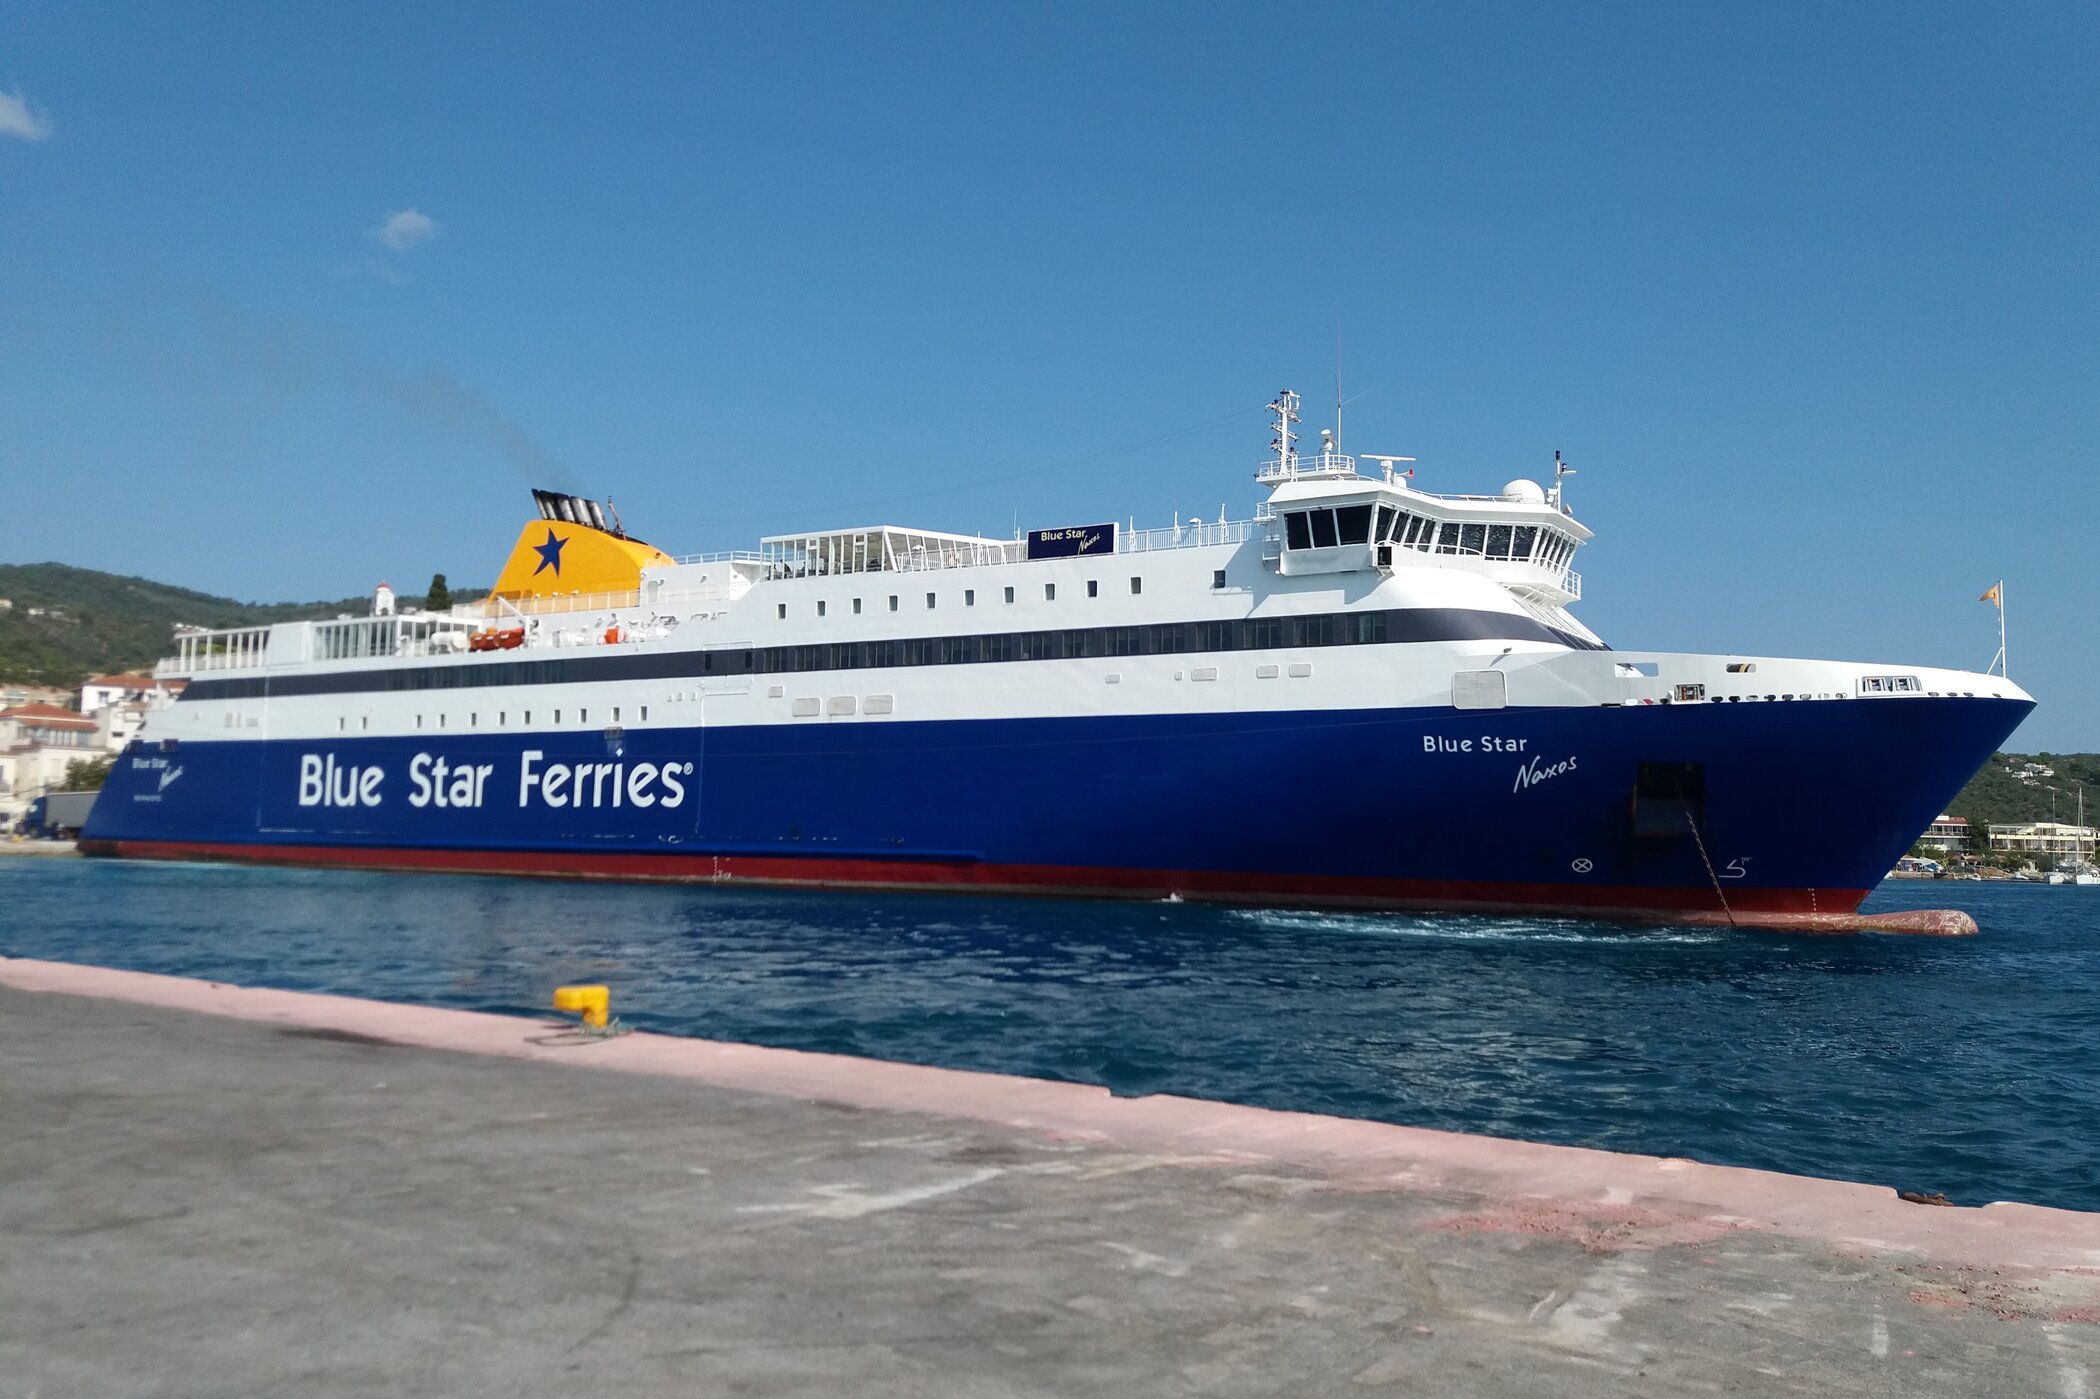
(96, 623)
(1997, 796)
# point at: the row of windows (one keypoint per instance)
(1245, 634)
(1157, 639)
(502, 718)
(1353, 524)
(969, 596)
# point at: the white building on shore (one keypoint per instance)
(38, 742)
(2051, 839)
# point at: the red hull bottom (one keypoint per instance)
(1816, 910)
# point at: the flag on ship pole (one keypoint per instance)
(1995, 595)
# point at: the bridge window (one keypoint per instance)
(1323, 529)
(1296, 532)
(1527, 539)
(1472, 539)
(1498, 541)
(1386, 514)
(1353, 523)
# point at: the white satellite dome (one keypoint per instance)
(1525, 492)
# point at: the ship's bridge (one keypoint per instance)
(1326, 516)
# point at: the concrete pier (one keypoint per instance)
(210, 1190)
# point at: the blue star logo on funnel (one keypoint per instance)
(550, 554)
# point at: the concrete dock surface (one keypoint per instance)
(211, 1190)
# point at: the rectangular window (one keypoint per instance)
(526, 717)
(341, 723)
(1009, 594)
(364, 721)
(1498, 541)
(1472, 539)
(557, 716)
(1264, 634)
(929, 602)
(856, 607)
(1050, 592)
(1297, 533)
(583, 716)
(1527, 539)
(783, 611)
(1323, 529)
(616, 714)
(645, 713)
(474, 719)
(1353, 522)
(969, 597)
(1217, 578)
(893, 602)
(441, 721)
(820, 608)
(1093, 587)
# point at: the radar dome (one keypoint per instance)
(1525, 492)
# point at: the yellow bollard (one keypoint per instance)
(590, 1002)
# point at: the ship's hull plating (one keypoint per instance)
(1798, 808)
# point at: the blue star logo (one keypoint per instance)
(550, 555)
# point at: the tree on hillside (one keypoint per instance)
(439, 597)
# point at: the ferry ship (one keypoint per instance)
(1365, 696)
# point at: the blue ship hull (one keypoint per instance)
(1752, 812)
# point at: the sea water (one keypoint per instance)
(1963, 1065)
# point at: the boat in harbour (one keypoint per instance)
(1365, 695)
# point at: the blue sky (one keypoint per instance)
(293, 298)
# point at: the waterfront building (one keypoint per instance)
(38, 742)
(106, 690)
(2056, 839)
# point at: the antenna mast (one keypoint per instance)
(1560, 469)
(1285, 407)
(1338, 381)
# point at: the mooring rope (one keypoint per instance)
(1700, 841)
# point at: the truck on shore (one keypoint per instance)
(58, 815)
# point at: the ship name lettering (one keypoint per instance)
(1539, 770)
(324, 782)
(599, 784)
(435, 784)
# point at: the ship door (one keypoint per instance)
(1669, 799)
